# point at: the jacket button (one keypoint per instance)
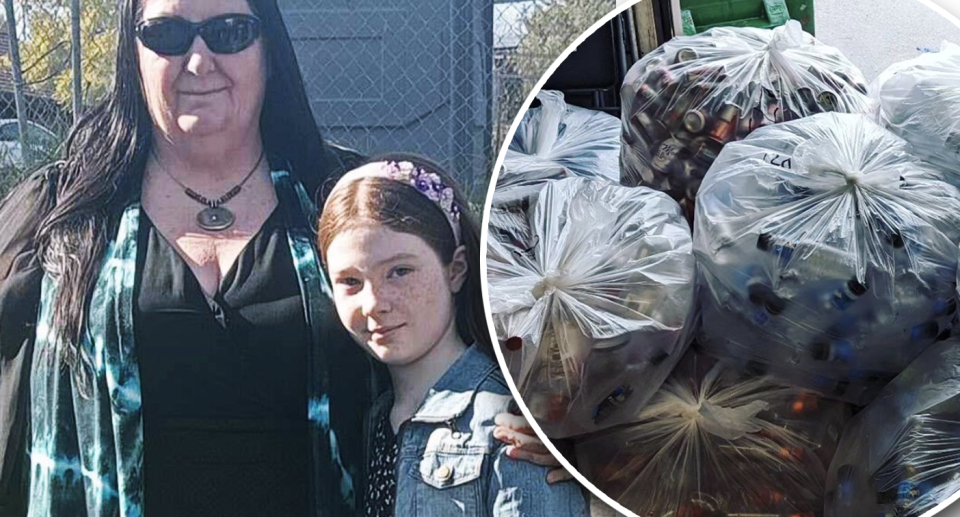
(443, 473)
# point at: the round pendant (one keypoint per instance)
(215, 219)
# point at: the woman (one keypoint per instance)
(179, 221)
(403, 252)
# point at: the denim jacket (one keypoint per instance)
(449, 463)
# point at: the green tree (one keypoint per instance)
(550, 30)
(45, 47)
(44, 30)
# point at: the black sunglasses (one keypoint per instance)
(224, 34)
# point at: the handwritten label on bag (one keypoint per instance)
(778, 160)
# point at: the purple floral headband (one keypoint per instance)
(429, 184)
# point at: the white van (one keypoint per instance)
(41, 140)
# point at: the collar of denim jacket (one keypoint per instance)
(453, 394)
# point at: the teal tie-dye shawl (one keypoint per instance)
(86, 449)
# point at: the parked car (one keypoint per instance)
(42, 141)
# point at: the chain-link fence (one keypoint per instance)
(528, 38)
(440, 77)
(37, 64)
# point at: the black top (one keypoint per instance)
(351, 378)
(223, 381)
(381, 476)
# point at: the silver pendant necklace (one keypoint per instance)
(214, 217)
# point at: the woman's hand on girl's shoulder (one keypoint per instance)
(524, 445)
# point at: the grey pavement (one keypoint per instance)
(874, 34)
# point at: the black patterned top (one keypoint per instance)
(382, 481)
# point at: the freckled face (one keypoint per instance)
(392, 292)
(202, 93)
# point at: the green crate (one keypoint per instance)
(700, 15)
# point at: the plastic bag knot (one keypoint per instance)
(548, 284)
(725, 422)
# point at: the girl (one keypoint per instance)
(403, 254)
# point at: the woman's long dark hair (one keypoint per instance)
(106, 152)
(402, 209)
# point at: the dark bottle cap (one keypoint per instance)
(855, 287)
(820, 351)
(755, 368)
(846, 472)
(757, 292)
(764, 241)
(659, 358)
(514, 343)
(840, 388)
(928, 330)
(895, 239)
(610, 403)
(888, 496)
(775, 305)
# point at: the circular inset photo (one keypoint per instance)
(722, 258)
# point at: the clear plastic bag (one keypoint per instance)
(558, 141)
(592, 298)
(827, 253)
(900, 456)
(715, 442)
(919, 100)
(684, 101)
